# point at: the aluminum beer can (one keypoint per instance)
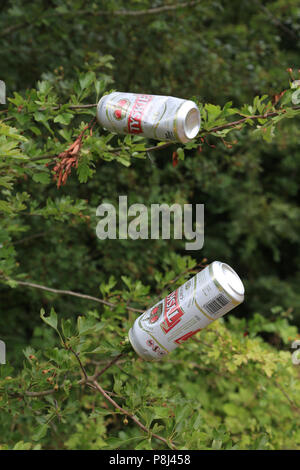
(163, 118)
(207, 296)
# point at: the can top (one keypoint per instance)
(228, 279)
(192, 123)
(233, 279)
(188, 121)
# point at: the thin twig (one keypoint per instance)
(112, 150)
(150, 11)
(241, 121)
(40, 394)
(292, 403)
(72, 106)
(31, 237)
(9, 118)
(53, 390)
(113, 361)
(134, 419)
(276, 21)
(74, 294)
(79, 362)
(158, 147)
(55, 108)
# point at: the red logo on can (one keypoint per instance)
(156, 313)
(185, 337)
(136, 114)
(155, 348)
(172, 312)
(121, 109)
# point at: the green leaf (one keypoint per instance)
(180, 153)
(86, 80)
(43, 178)
(67, 328)
(100, 87)
(35, 130)
(144, 445)
(40, 116)
(51, 320)
(21, 445)
(40, 432)
(160, 412)
(64, 118)
(86, 326)
(83, 170)
(5, 206)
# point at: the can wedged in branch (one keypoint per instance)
(207, 296)
(162, 118)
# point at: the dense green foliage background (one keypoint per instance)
(235, 385)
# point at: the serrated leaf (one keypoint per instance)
(144, 445)
(86, 80)
(43, 178)
(86, 326)
(51, 320)
(64, 118)
(40, 432)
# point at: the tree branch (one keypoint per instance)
(294, 406)
(276, 21)
(40, 394)
(228, 125)
(30, 237)
(134, 13)
(150, 11)
(43, 393)
(113, 361)
(90, 381)
(241, 121)
(132, 417)
(72, 106)
(11, 29)
(59, 106)
(79, 362)
(74, 294)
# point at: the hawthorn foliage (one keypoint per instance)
(68, 299)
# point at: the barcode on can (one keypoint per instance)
(218, 302)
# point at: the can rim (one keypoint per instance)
(188, 121)
(233, 279)
(192, 123)
(229, 280)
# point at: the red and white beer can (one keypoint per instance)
(162, 118)
(207, 296)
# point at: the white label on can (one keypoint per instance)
(210, 298)
(138, 114)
